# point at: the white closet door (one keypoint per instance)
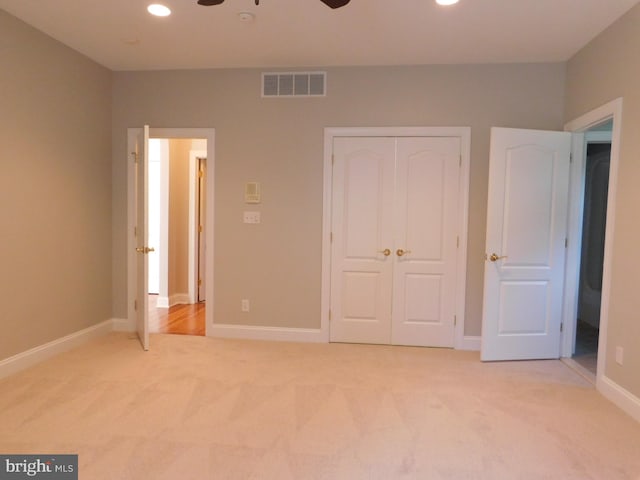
(394, 211)
(426, 204)
(362, 222)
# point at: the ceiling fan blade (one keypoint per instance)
(335, 3)
(208, 3)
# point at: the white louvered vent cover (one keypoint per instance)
(294, 84)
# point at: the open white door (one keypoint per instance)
(526, 241)
(142, 236)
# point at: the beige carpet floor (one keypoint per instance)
(202, 408)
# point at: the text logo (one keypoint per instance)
(50, 467)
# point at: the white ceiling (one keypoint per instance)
(121, 35)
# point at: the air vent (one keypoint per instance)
(294, 84)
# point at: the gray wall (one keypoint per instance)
(605, 69)
(55, 189)
(279, 142)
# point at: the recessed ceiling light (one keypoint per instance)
(158, 10)
(246, 16)
(447, 2)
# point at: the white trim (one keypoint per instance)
(179, 299)
(249, 332)
(574, 245)
(122, 325)
(470, 343)
(464, 133)
(619, 396)
(194, 222)
(611, 110)
(175, 299)
(163, 302)
(209, 135)
(30, 357)
(462, 341)
(580, 370)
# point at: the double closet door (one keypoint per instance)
(394, 240)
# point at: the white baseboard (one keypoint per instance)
(30, 357)
(470, 343)
(249, 332)
(179, 299)
(619, 396)
(175, 299)
(162, 302)
(123, 325)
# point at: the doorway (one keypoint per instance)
(602, 125)
(179, 302)
(596, 186)
(176, 226)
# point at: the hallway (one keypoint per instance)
(179, 319)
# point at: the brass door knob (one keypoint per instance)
(400, 252)
(386, 252)
(494, 257)
(145, 249)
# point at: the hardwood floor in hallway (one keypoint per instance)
(179, 319)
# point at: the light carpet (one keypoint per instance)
(202, 408)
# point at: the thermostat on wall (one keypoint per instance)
(252, 192)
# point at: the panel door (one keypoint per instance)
(142, 237)
(526, 233)
(425, 242)
(362, 243)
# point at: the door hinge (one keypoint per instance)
(135, 304)
(200, 228)
(458, 242)
(199, 282)
(460, 163)
(135, 231)
(331, 237)
(561, 327)
(329, 314)
(571, 158)
(566, 243)
(455, 320)
(135, 157)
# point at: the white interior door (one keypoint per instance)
(362, 244)
(426, 203)
(394, 223)
(142, 236)
(525, 246)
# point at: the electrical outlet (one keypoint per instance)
(245, 305)
(251, 217)
(619, 355)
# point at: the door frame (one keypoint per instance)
(578, 126)
(194, 221)
(209, 135)
(464, 133)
